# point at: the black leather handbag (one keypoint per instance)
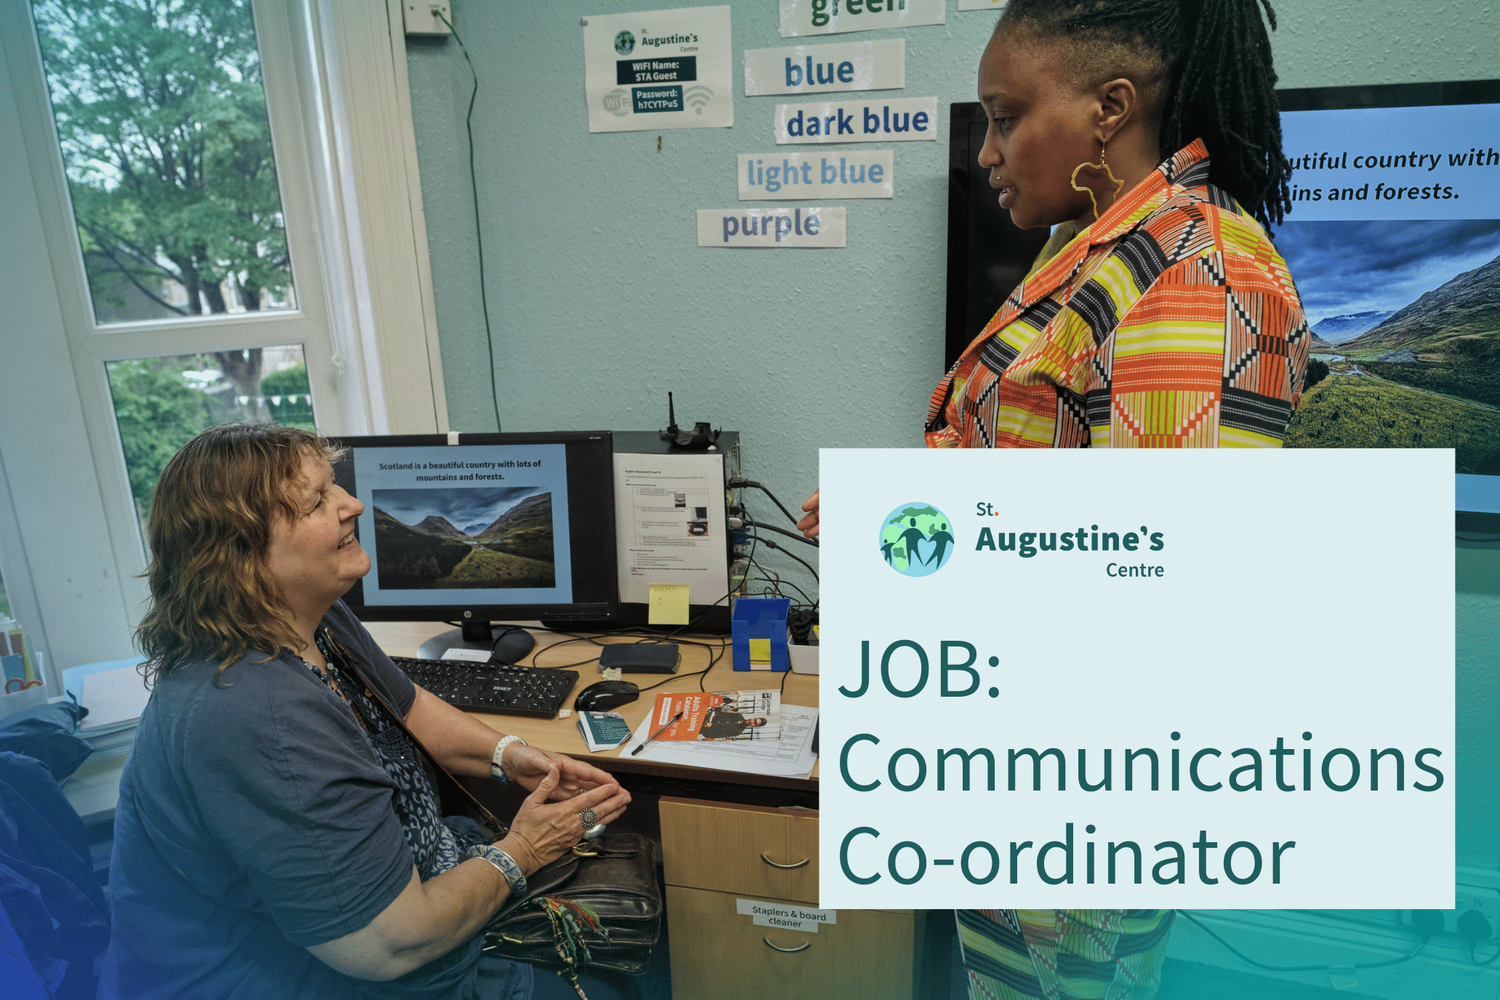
(597, 907)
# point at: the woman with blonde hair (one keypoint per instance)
(276, 834)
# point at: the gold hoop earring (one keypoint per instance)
(1101, 165)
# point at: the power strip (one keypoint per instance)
(1468, 899)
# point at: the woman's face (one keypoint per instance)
(1040, 128)
(315, 558)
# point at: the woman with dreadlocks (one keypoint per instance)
(1158, 315)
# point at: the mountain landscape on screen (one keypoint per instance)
(514, 550)
(1419, 373)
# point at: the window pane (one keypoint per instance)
(17, 660)
(161, 115)
(161, 403)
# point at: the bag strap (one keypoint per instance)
(445, 778)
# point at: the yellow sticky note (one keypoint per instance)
(760, 650)
(669, 604)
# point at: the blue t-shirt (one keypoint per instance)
(255, 819)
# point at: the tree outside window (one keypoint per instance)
(161, 115)
(162, 403)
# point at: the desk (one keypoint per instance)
(562, 736)
(726, 836)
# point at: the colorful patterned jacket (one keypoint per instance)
(1171, 322)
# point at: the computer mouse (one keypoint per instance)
(511, 644)
(605, 695)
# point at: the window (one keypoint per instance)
(146, 305)
(166, 145)
(162, 403)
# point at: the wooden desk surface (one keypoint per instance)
(561, 735)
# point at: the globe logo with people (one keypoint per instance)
(916, 539)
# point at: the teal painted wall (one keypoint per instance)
(600, 301)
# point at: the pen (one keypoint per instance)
(654, 735)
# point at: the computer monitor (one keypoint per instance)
(482, 528)
(1393, 239)
(1395, 249)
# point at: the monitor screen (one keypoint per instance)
(478, 528)
(1393, 240)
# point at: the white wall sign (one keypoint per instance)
(1137, 679)
(844, 174)
(827, 17)
(658, 69)
(905, 119)
(771, 227)
(981, 4)
(818, 69)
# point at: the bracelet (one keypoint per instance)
(496, 771)
(504, 863)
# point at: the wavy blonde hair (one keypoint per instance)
(212, 596)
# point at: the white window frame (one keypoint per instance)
(336, 89)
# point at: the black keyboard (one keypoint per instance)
(492, 687)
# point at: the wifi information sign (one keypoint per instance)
(658, 70)
(628, 71)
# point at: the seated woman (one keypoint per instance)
(1158, 315)
(276, 835)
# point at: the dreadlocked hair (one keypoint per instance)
(1203, 70)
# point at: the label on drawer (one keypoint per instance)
(787, 915)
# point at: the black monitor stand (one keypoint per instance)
(507, 643)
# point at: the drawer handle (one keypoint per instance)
(787, 951)
(796, 864)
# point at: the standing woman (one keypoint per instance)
(1158, 315)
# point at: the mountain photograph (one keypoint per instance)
(1406, 315)
(418, 547)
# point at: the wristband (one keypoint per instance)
(504, 863)
(496, 771)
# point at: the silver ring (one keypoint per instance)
(588, 818)
(594, 832)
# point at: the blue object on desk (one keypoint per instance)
(760, 618)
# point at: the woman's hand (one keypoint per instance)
(809, 524)
(544, 830)
(431, 918)
(528, 765)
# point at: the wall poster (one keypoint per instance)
(819, 69)
(828, 17)
(658, 69)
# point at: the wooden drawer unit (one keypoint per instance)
(752, 850)
(718, 953)
(716, 854)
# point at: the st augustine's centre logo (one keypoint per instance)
(916, 539)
